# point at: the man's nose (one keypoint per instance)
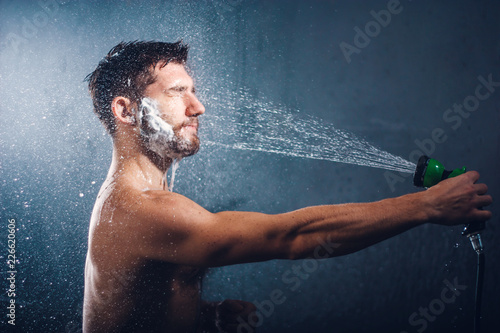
(195, 107)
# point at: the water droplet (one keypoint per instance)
(267, 127)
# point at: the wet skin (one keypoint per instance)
(128, 287)
(125, 290)
(148, 247)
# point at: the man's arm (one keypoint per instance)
(177, 230)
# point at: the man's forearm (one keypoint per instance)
(250, 237)
(353, 227)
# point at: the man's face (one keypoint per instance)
(168, 113)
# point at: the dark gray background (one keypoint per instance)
(55, 154)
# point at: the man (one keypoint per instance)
(148, 246)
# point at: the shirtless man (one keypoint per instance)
(148, 246)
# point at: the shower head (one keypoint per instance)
(429, 172)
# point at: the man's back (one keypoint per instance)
(124, 290)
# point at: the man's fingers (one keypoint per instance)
(249, 308)
(483, 200)
(481, 188)
(230, 317)
(473, 175)
(231, 306)
(483, 215)
(230, 313)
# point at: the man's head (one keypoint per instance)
(145, 85)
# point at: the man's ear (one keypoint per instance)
(123, 111)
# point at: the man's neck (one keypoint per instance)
(142, 170)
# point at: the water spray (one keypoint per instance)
(428, 173)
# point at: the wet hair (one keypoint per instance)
(126, 71)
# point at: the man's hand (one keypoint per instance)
(228, 312)
(459, 200)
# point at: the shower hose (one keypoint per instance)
(479, 291)
(472, 231)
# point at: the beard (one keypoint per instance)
(162, 138)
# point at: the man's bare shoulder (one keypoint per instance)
(154, 202)
(128, 190)
(127, 206)
(123, 196)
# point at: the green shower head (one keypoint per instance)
(429, 172)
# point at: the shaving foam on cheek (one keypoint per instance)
(158, 132)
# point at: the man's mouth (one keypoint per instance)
(192, 126)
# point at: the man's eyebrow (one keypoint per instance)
(178, 87)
